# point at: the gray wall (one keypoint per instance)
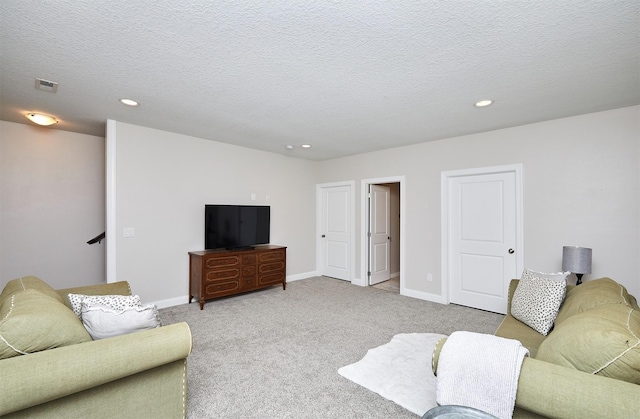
(581, 186)
(163, 181)
(51, 202)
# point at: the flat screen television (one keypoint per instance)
(236, 226)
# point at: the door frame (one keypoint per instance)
(319, 217)
(445, 177)
(364, 219)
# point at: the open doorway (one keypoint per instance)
(383, 227)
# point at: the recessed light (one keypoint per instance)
(289, 147)
(305, 146)
(483, 103)
(129, 102)
(41, 119)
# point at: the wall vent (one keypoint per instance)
(46, 85)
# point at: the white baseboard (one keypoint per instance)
(360, 282)
(423, 296)
(176, 301)
(170, 302)
(305, 275)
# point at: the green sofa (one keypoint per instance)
(588, 366)
(68, 375)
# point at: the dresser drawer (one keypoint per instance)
(221, 274)
(224, 261)
(219, 289)
(271, 256)
(272, 278)
(247, 284)
(249, 259)
(270, 267)
(249, 271)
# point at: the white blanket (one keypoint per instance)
(399, 371)
(480, 371)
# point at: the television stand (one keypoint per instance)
(221, 272)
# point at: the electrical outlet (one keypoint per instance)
(429, 277)
(128, 232)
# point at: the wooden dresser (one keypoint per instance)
(219, 272)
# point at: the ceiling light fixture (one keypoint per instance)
(305, 146)
(483, 103)
(129, 102)
(41, 119)
(289, 147)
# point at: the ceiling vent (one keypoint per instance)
(46, 85)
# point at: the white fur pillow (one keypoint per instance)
(104, 322)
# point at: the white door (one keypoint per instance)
(484, 238)
(336, 232)
(379, 233)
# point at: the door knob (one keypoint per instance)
(323, 236)
(511, 251)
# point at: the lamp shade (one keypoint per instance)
(576, 259)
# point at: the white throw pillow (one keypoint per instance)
(556, 276)
(104, 322)
(536, 302)
(116, 302)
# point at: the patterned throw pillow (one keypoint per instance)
(556, 276)
(536, 302)
(116, 302)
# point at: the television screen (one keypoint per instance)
(236, 226)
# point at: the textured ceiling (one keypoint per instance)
(344, 76)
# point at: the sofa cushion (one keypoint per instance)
(592, 294)
(31, 321)
(116, 302)
(28, 282)
(103, 322)
(536, 301)
(603, 341)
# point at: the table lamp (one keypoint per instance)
(576, 260)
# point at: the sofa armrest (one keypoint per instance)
(55, 373)
(555, 391)
(512, 289)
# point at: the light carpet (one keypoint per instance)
(399, 371)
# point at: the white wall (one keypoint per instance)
(51, 203)
(581, 187)
(163, 181)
